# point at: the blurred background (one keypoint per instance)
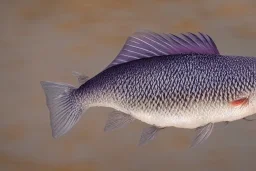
(48, 39)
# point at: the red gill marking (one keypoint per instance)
(240, 102)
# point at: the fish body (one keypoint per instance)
(162, 80)
(185, 91)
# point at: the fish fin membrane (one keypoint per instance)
(116, 120)
(146, 44)
(81, 78)
(65, 112)
(148, 134)
(202, 134)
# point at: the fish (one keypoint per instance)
(163, 80)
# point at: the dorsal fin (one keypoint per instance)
(146, 44)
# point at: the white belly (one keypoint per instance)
(187, 119)
(194, 119)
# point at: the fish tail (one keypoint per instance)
(65, 109)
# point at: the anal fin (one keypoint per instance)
(117, 120)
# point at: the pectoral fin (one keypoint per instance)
(116, 120)
(148, 134)
(202, 133)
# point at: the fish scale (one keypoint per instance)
(163, 80)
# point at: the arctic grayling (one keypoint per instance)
(163, 80)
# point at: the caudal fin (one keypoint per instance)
(65, 110)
